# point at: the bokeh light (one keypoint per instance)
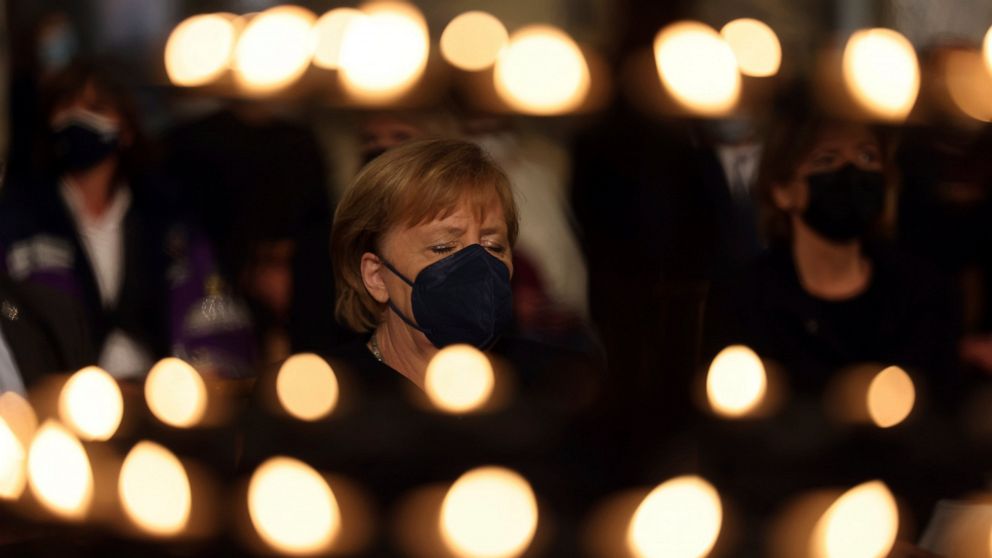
(987, 49)
(459, 379)
(19, 416)
(698, 68)
(862, 523)
(736, 383)
(891, 396)
(275, 49)
(13, 476)
(154, 490)
(681, 518)
(176, 393)
(542, 71)
(307, 387)
(882, 73)
(59, 472)
(473, 40)
(756, 46)
(968, 83)
(489, 512)
(91, 404)
(329, 31)
(384, 51)
(199, 49)
(292, 507)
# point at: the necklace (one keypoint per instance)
(374, 347)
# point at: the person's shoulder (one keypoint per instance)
(898, 269)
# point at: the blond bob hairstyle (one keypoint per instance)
(414, 183)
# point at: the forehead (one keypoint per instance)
(844, 135)
(484, 209)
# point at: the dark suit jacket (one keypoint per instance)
(45, 330)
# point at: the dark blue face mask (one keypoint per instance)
(463, 298)
(83, 139)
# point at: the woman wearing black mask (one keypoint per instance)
(95, 223)
(831, 292)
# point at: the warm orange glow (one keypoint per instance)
(199, 49)
(882, 73)
(756, 46)
(175, 393)
(275, 49)
(968, 83)
(459, 379)
(472, 40)
(681, 518)
(13, 476)
(154, 490)
(384, 51)
(91, 404)
(307, 387)
(330, 30)
(736, 383)
(542, 71)
(19, 416)
(987, 50)
(891, 396)
(489, 512)
(698, 68)
(862, 523)
(292, 507)
(59, 472)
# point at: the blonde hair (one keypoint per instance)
(408, 185)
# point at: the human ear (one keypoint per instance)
(372, 277)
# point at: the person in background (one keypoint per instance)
(254, 180)
(94, 223)
(832, 294)
(831, 291)
(42, 331)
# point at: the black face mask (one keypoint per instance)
(463, 298)
(845, 203)
(82, 139)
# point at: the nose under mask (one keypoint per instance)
(462, 298)
(844, 204)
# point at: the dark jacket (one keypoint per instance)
(45, 330)
(170, 299)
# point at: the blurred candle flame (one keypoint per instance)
(154, 490)
(987, 49)
(891, 396)
(59, 472)
(736, 383)
(459, 379)
(681, 518)
(274, 49)
(473, 40)
(292, 507)
(199, 49)
(968, 83)
(542, 71)
(330, 30)
(176, 393)
(384, 51)
(489, 512)
(698, 68)
(91, 404)
(307, 387)
(13, 477)
(882, 73)
(862, 523)
(756, 46)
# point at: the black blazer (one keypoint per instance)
(45, 330)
